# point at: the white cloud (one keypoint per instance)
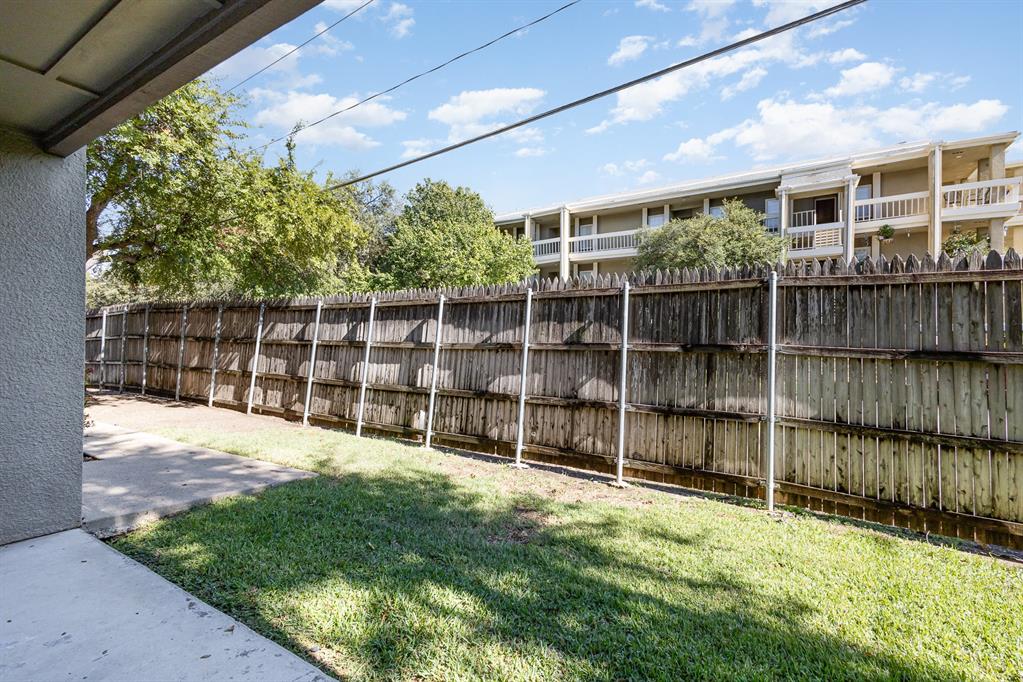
(714, 24)
(648, 177)
(693, 149)
(465, 113)
(957, 82)
(399, 16)
(847, 55)
(629, 48)
(326, 44)
(710, 8)
(918, 82)
(935, 119)
(784, 11)
(524, 152)
(646, 100)
(826, 28)
(255, 57)
(624, 167)
(789, 129)
(414, 148)
(342, 5)
(285, 109)
(865, 78)
(749, 80)
(653, 4)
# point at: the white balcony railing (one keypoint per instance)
(981, 198)
(609, 241)
(546, 248)
(809, 219)
(891, 208)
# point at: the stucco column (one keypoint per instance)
(996, 231)
(706, 206)
(566, 228)
(527, 228)
(42, 296)
(937, 200)
(850, 218)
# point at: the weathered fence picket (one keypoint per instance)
(898, 385)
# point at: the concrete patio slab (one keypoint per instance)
(138, 478)
(72, 608)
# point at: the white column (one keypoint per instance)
(645, 218)
(706, 206)
(527, 228)
(435, 370)
(622, 386)
(996, 167)
(521, 426)
(145, 349)
(937, 200)
(216, 352)
(566, 229)
(181, 352)
(312, 365)
(255, 358)
(365, 367)
(850, 218)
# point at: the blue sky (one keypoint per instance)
(879, 74)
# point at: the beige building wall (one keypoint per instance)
(903, 182)
(619, 222)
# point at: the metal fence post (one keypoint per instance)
(622, 379)
(181, 352)
(216, 352)
(145, 348)
(772, 345)
(255, 357)
(521, 426)
(365, 367)
(312, 365)
(433, 373)
(124, 330)
(102, 348)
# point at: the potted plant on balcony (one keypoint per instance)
(885, 232)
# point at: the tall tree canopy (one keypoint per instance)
(736, 238)
(445, 236)
(185, 214)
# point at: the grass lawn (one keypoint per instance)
(399, 563)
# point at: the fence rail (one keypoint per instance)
(899, 394)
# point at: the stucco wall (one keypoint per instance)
(42, 289)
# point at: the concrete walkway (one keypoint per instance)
(138, 477)
(72, 608)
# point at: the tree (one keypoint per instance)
(445, 236)
(188, 215)
(965, 244)
(736, 238)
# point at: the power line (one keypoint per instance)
(418, 75)
(610, 91)
(299, 47)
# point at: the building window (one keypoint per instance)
(772, 214)
(717, 211)
(655, 217)
(864, 212)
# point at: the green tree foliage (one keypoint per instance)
(965, 244)
(445, 236)
(177, 211)
(736, 238)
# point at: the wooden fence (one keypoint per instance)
(899, 384)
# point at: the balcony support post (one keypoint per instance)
(566, 228)
(937, 199)
(783, 206)
(849, 243)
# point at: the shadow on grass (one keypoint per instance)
(405, 575)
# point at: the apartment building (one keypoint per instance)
(832, 207)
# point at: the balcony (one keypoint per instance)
(897, 210)
(604, 245)
(810, 239)
(547, 250)
(979, 200)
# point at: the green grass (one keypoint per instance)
(399, 563)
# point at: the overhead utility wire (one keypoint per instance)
(610, 91)
(419, 75)
(299, 47)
